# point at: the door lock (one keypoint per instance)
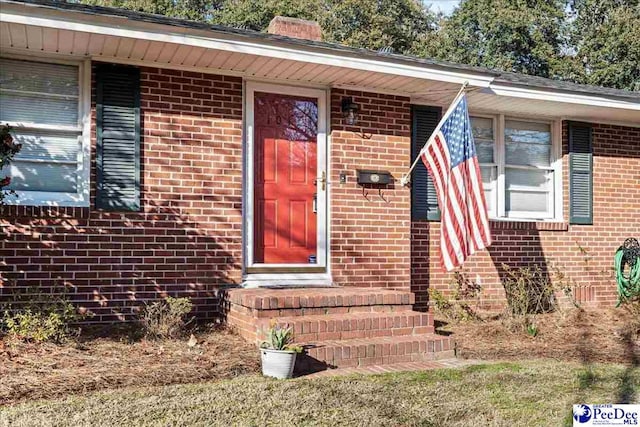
(323, 180)
(315, 202)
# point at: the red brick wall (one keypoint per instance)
(186, 241)
(583, 252)
(370, 240)
(187, 238)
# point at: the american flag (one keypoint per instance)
(450, 157)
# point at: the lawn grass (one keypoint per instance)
(536, 393)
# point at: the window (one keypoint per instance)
(520, 167)
(44, 104)
(484, 138)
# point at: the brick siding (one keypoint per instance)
(185, 241)
(370, 241)
(187, 238)
(584, 253)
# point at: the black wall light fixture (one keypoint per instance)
(350, 111)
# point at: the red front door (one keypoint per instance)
(285, 138)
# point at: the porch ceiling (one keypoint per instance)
(30, 30)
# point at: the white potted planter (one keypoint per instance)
(278, 354)
(278, 363)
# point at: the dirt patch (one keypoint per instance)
(33, 371)
(587, 336)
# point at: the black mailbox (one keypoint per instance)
(374, 177)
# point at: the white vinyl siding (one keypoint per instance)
(520, 169)
(44, 104)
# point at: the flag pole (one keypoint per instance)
(407, 177)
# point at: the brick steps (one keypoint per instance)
(341, 327)
(378, 351)
(324, 298)
(354, 325)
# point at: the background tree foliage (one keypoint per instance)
(397, 24)
(196, 10)
(586, 41)
(256, 15)
(606, 38)
(358, 23)
(524, 36)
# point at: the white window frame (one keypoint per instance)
(80, 198)
(492, 206)
(497, 206)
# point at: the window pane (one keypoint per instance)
(527, 132)
(33, 176)
(527, 201)
(488, 198)
(482, 128)
(527, 143)
(38, 109)
(40, 77)
(43, 94)
(488, 174)
(48, 145)
(528, 179)
(528, 154)
(527, 190)
(485, 151)
(483, 137)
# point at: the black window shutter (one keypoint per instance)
(580, 173)
(424, 201)
(118, 138)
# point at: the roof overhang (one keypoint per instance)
(40, 29)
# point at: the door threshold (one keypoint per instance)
(285, 270)
(282, 280)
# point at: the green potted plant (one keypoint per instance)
(279, 353)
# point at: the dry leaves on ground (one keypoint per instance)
(588, 336)
(33, 371)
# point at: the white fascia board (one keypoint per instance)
(570, 98)
(191, 37)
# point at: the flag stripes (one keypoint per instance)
(451, 160)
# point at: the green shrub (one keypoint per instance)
(464, 294)
(167, 318)
(441, 302)
(36, 316)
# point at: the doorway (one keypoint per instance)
(286, 180)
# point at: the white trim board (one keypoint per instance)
(570, 98)
(304, 279)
